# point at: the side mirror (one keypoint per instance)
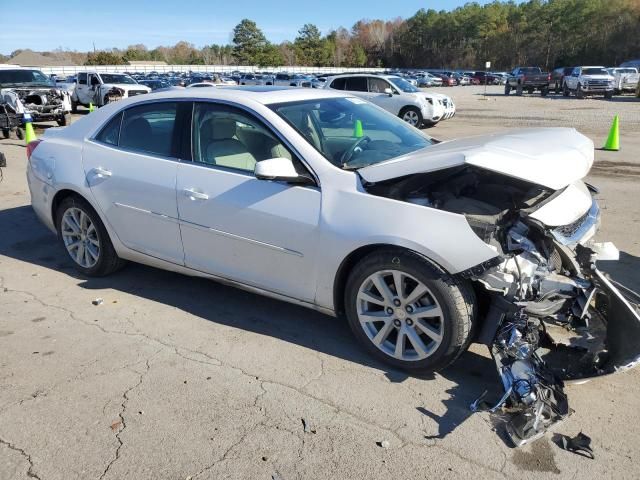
(388, 91)
(279, 169)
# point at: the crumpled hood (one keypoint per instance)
(551, 157)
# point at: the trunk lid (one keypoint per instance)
(551, 157)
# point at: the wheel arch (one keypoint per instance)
(352, 259)
(67, 192)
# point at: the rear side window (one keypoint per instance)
(150, 128)
(339, 83)
(110, 133)
(82, 78)
(357, 84)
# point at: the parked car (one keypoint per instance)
(284, 79)
(631, 63)
(625, 79)
(155, 84)
(529, 79)
(394, 94)
(255, 79)
(103, 88)
(588, 81)
(447, 81)
(201, 85)
(318, 82)
(557, 78)
(28, 90)
(320, 198)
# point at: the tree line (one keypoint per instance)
(547, 33)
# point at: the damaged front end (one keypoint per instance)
(42, 103)
(550, 316)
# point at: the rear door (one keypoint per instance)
(131, 168)
(82, 88)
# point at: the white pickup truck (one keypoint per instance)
(103, 88)
(588, 81)
(626, 79)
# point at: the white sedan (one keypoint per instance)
(322, 199)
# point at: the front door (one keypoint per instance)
(131, 169)
(258, 232)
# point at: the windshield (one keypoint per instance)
(24, 77)
(117, 78)
(350, 132)
(403, 85)
(594, 71)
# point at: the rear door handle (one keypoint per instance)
(101, 172)
(193, 194)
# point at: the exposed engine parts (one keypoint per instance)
(550, 316)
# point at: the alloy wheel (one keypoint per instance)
(80, 237)
(411, 117)
(400, 315)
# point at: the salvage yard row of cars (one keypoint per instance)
(26, 90)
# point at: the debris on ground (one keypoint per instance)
(580, 444)
(97, 301)
(306, 427)
(383, 444)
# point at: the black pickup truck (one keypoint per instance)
(529, 79)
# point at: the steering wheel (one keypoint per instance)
(346, 156)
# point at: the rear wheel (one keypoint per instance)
(519, 90)
(544, 91)
(579, 92)
(565, 90)
(74, 106)
(407, 312)
(85, 238)
(412, 116)
(20, 133)
(507, 89)
(6, 132)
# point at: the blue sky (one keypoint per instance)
(75, 25)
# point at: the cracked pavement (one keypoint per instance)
(174, 377)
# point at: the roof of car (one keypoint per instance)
(262, 94)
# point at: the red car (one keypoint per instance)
(447, 81)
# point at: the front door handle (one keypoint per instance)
(193, 194)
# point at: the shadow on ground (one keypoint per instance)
(25, 239)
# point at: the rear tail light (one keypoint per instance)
(31, 146)
(549, 77)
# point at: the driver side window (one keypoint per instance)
(229, 137)
(378, 85)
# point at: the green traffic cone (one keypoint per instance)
(30, 135)
(91, 107)
(613, 140)
(357, 129)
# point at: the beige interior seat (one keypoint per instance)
(218, 136)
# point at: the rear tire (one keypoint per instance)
(579, 92)
(20, 133)
(507, 89)
(74, 106)
(422, 334)
(6, 132)
(519, 90)
(78, 223)
(565, 90)
(544, 91)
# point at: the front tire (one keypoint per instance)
(64, 120)
(507, 89)
(407, 312)
(412, 116)
(579, 92)
(85, 238)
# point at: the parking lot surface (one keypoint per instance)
(172, 377)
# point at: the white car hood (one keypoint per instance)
(127, 86)
(551, 157)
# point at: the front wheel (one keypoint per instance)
(412, 116)
(579, 92)
(64, 120)
(407, 312)
(85, 238)
(507, 89)
(565, 90)
(608, 95)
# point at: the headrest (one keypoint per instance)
(220, 128)
(138, 127)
